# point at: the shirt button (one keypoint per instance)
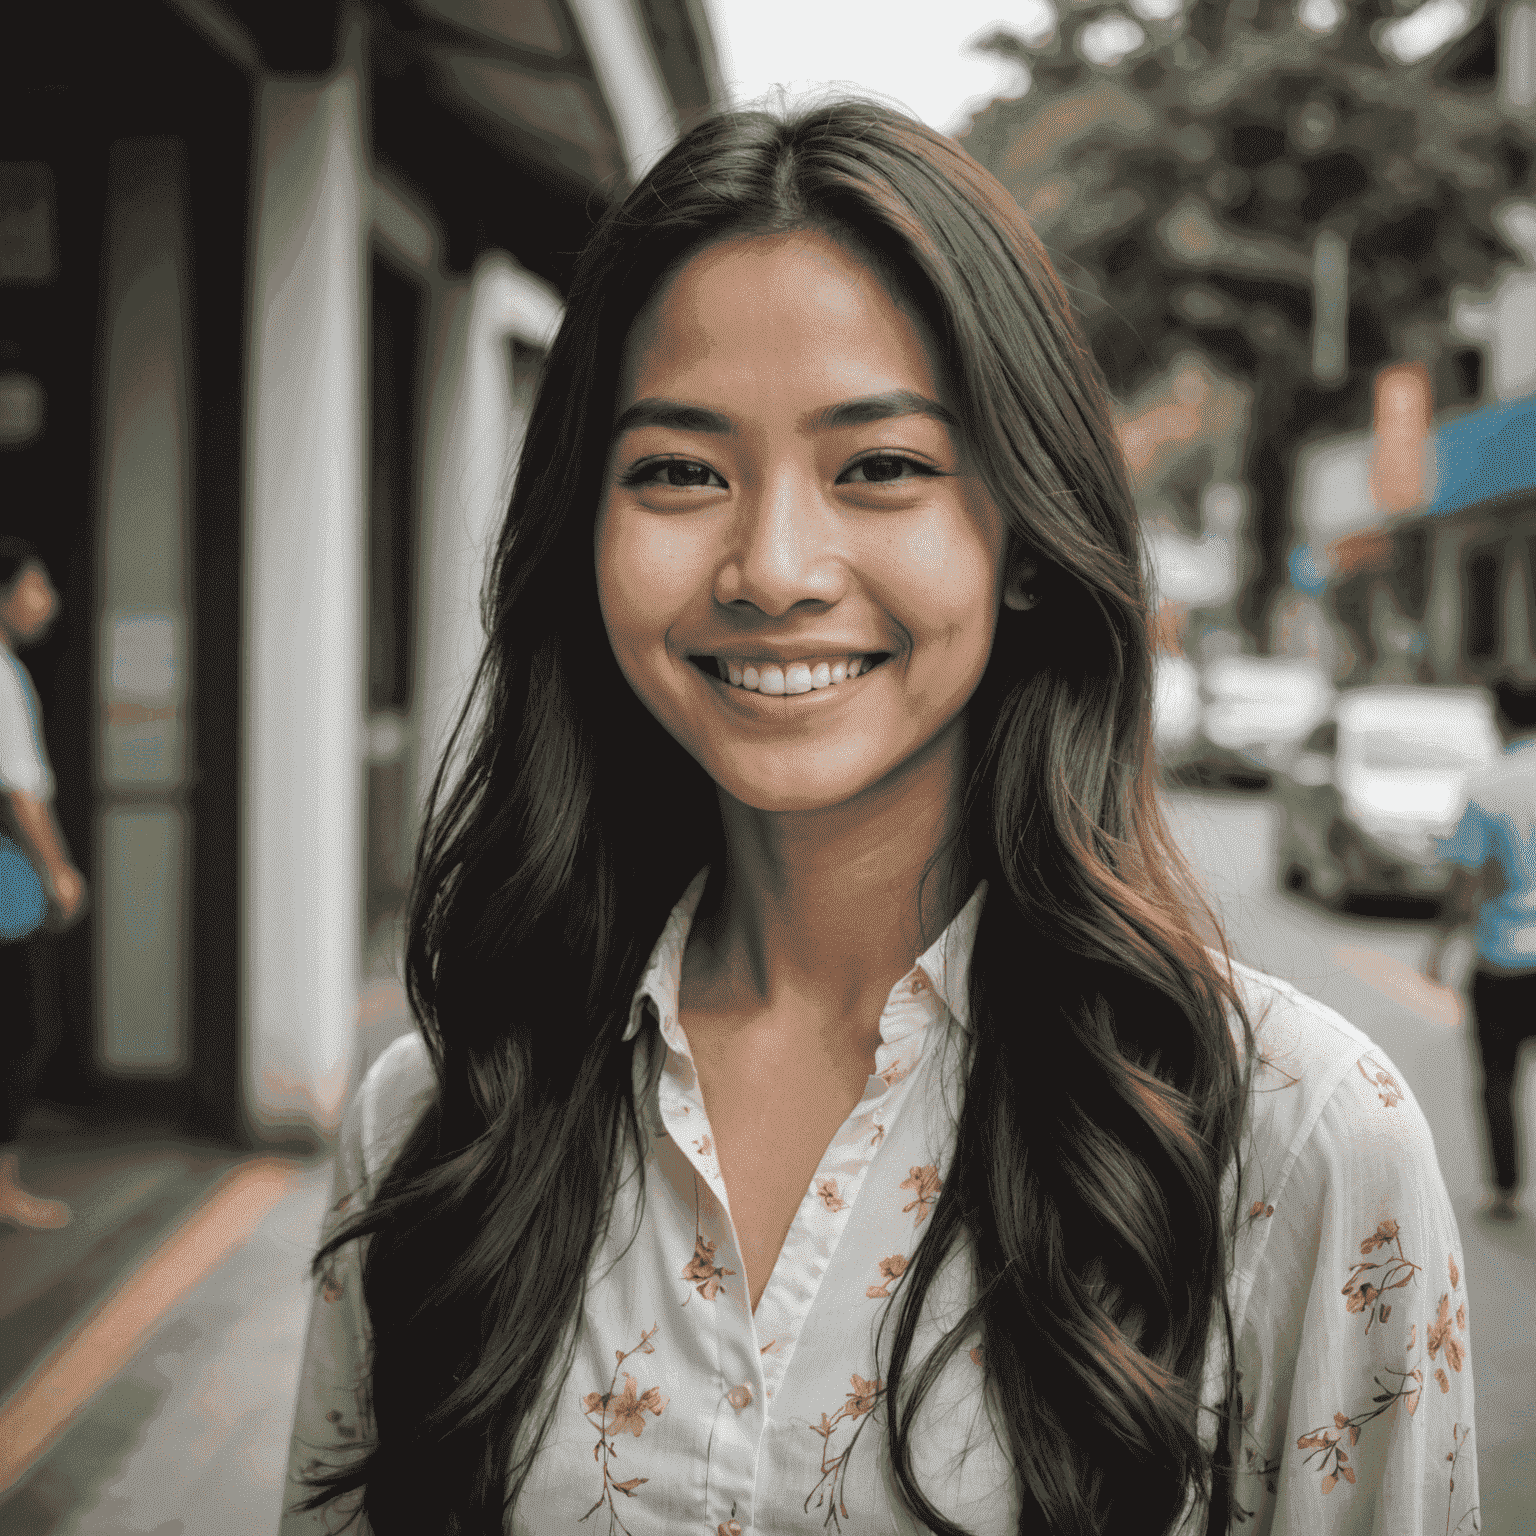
(739, 1398)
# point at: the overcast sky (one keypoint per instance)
(917, 52)
(912, 50)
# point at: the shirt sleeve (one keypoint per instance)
(1355, 1349)
(23, 763)
(1467, 846)
(330, 1418)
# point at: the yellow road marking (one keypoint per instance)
(40, 1409)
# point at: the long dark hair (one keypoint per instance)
(1093, 1212)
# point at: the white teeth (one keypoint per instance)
(798, 677)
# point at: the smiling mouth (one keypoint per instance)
(777, 679)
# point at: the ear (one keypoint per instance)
(1019, 586)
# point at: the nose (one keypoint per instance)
(786, 549)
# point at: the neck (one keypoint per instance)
(818, 913)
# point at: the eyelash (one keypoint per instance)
(647, 473)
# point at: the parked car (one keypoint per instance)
(1375, 785)
(1255, 711)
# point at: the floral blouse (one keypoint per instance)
(685, 1412)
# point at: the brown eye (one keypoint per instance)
(678, 474)
(884, 469)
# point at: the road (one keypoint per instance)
(190, 1439)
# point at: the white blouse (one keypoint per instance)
(684, 1412)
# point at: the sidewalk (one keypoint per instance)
(189, 1434)
(191, 1439)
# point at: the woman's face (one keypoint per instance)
(798, 572)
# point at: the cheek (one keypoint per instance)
(952, 589)
(643, 580)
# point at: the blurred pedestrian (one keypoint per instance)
(1494, 851)
(33, 843)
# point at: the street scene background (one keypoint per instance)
(274, 293)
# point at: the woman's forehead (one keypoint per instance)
(797, 297)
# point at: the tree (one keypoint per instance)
(1285, 198)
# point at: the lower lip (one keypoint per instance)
(775, 705)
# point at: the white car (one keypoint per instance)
(1376, 785)
(1254, 712)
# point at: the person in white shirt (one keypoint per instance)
(825, 1113)
(28, 606)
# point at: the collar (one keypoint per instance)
(946, 963)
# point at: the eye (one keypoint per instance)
(884, 469)
(674, 474)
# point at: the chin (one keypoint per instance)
(791, 792)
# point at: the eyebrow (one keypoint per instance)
(656, 412)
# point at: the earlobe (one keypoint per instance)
(1019, 591)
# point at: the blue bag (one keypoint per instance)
(23, 902)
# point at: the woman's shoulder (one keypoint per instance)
(388, 1102)
(1314, 1071)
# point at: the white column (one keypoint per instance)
(304, 612)
(630, 79)
(473, 432)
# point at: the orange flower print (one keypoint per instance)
(925, 1184)
(701, 1271)
(1368, 1280)
(858, 1404)
(862, 1399)
(894, 1073)
(878, 1137)
(1386, 1086)
(826, 1191)
(625, 1413)
(892, 1268)
(1441, 1337)
(976, 1354)
(1455, 1273)
(331, 1289)
(705, 1145)
(1329, 1443)
(1459, 1437)
(619, 1413)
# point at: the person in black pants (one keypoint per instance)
(1494, 851)
(28, 605)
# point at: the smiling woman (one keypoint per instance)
(801, 952)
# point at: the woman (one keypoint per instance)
(818, 606)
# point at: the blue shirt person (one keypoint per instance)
(1494, 851)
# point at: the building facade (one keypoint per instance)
(275, 283)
